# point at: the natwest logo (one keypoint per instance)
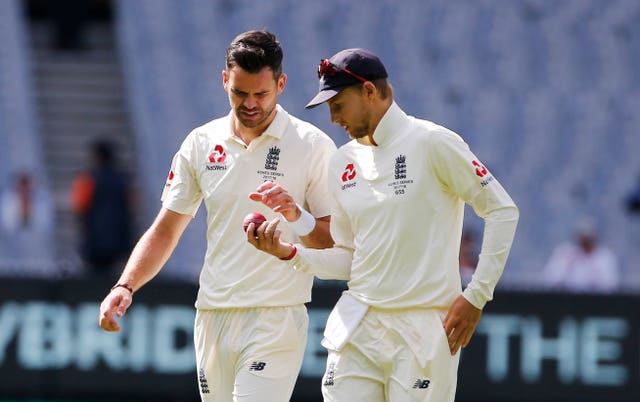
(218, 155)
(349, 173)
(481, 171)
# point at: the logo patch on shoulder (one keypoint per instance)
(483, 173)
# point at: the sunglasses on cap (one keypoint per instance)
(327, 68)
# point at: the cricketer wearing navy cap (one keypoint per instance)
(399, 189)
(347, 67)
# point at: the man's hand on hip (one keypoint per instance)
(460, 323)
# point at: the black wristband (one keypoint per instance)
(123, 285)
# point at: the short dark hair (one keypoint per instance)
(385, 90)
(254, 50)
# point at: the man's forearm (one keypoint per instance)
(147, 259)
(332, 263)
(499, 230)
(154, 249)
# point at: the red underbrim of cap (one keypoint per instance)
(324, 96)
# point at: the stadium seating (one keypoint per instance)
(545, 92)
(26, 252)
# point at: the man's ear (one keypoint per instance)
(369, 89)
(225, 79)
(282, 82)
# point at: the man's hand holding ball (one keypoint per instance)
(256, 218)
(267, 237)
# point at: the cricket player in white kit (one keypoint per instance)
(400, 187)
(251, 322)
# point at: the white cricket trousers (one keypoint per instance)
(249, 354)
(393, 356)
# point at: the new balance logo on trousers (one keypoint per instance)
(330, 373)
(421, 384)
(257, 366)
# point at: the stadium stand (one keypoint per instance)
(543, 91)
(80, 98)
(27, 252)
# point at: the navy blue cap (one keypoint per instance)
(344, 69)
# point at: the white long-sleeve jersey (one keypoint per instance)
(398, 216)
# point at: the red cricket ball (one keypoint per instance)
(256, 217)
